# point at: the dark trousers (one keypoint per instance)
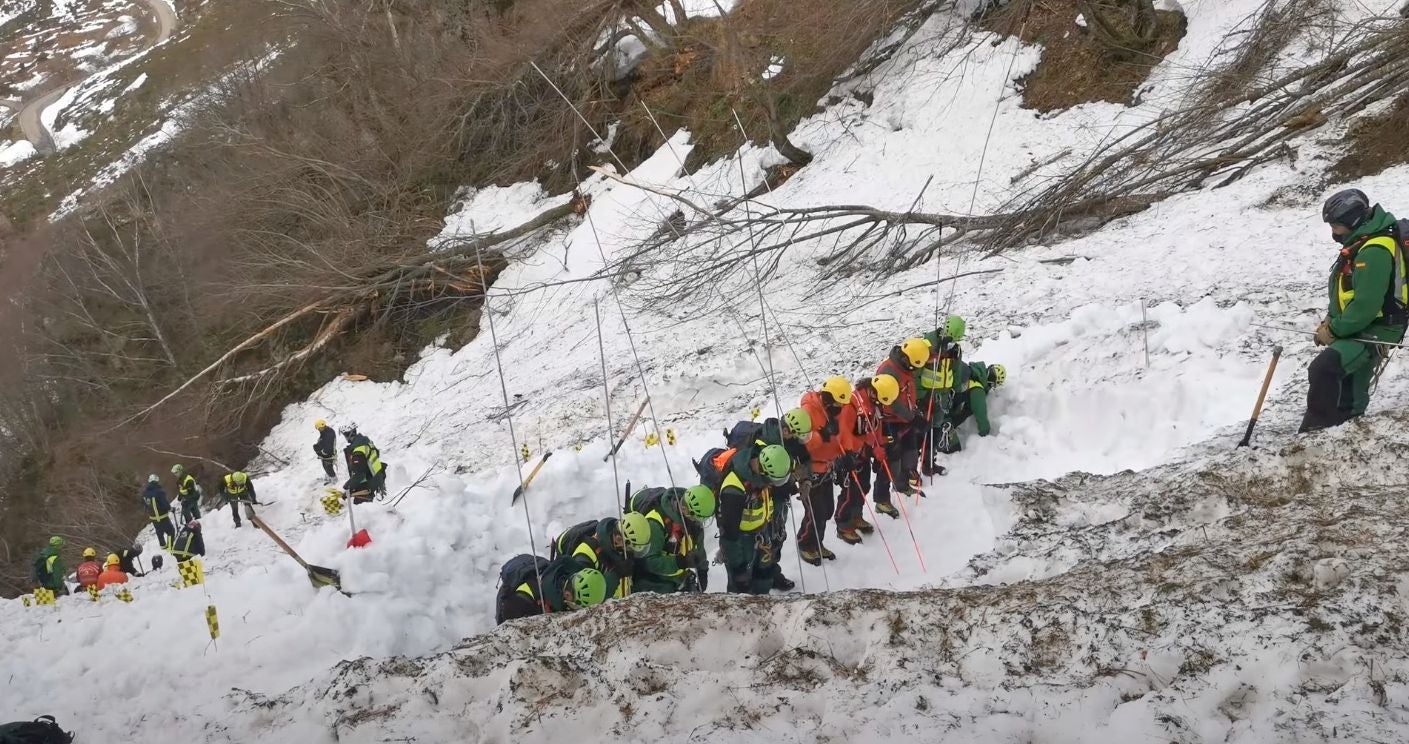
(902, 455)
(1330, 397)
(818, 502)
(329, 467)
(165, 532)
(853, 494)
(191, 509)
(235, 507)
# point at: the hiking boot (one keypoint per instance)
(861, 525)
(782, 583)
(848, 536)
(829, 555)
(889, 510)
(809, 557)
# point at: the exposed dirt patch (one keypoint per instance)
(1081, 64)
(1374, 144)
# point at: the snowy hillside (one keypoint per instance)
(1053, 593)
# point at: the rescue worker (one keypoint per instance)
(874, 396)
(365, 469)
(866, 400)
(1369, 300)
(188, 492)
(746, 509)
(902, 426)
(112, 572)
(832, 447)
(127, 560)
(326, 448)
(676, 559)
(936, 388)
(158, 510)
(609, 545)
(976, 380)
(190, 543)
(519, 594)
(237, 489)
(88, 571)
(790, 433)
(49, 567)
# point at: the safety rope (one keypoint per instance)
(607, 399)
(630, 338)
(508, 417)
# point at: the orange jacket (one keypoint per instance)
(841, 434)
(111, 575)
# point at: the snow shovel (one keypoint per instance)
(1261, 396)
(360, 538)
(523, 486)
(318, 575)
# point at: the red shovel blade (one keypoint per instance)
(360, 540)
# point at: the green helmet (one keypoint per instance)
(177, 469)
(636, 530)
(699, 502)
(56, 541)
(775, 463)
(954, 327)
(241, 477)
(799, 422)
(589, 587)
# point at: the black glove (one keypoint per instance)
(691, 584)
(845, 463)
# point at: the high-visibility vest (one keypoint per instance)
(759, 508)
(1399, 287)
(233, 488)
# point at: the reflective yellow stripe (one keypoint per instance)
(759, 508)
(930, 378)
(232, 487)
(686, 543)
(1345, 290)
(374, 458)
(975, 384)
(526, 588)
(583, 549)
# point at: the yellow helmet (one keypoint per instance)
(917, 350)
(839, 388)
(320, 424)
(887, 389)
(90, 553)
(998, 373)
(113, 559)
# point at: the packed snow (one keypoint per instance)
(1135, 351)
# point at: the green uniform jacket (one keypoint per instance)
(1371, 275)
(928, 380)
(555, 577)
(53, 569)
(976, 381)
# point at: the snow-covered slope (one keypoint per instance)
(1085, 556)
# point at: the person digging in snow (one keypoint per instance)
(365, 469)
(158, 510)
(873, 397)
(1369, 299)
(609, 545)
(190, 543)
(975, 380)
(675, 560)
(566, 586)
(326, 448)
(237, 489)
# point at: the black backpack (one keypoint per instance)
(521, 568)
(710, 475)
(42, 730)
(744, 434)
(572, 536)
(41, 570)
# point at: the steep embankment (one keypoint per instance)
(1245, 596)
